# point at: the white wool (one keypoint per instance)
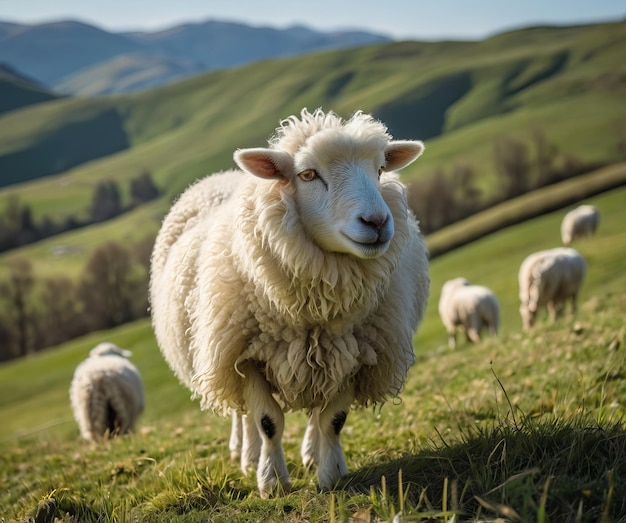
(548, 279)
(106, 385)
(469, 308)
(236, 277)
(580, 222)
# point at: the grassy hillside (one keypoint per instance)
(17, 91)
(462, 95)
(529, 423)
(458, 96)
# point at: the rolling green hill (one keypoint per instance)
(176, 466)
(458, 96)
(16, 91)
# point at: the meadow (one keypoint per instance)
(522, 427)
(525, 426)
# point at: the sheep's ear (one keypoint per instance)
(265, 163)
(400, 153)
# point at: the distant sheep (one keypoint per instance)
(469, 308)
(106, 393)
(295, 284)
(580, 222)
(550, 278)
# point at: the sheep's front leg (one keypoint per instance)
(473, 330)
(332, 463)
(234, 444)
(452, 338)
(245, 443)
(310, 444)
(268, 418)
(554, 310)
(251, 444)
(574, 304)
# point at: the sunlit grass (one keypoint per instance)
(527, 425)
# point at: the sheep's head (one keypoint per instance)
(335, 170)
(528, 312)
(455, 283)
(109, 349)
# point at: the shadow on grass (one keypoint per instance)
(552, 471)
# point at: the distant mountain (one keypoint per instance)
(125, 73)
(77, 58)
(218, 45)
(17, 90)
(567, 84)
(54, 51)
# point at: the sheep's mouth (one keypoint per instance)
(371, 249)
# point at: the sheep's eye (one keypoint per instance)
(308, 175)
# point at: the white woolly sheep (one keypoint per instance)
(550, 278)
(106, 393)
(469, 308)
(580, 222)
(300, 287)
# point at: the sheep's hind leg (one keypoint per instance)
(244, 443)
(251, 444)
(234, 444)
(310, 443)
(452, 338)
(272, 475)
(473, 334)
(332, 463)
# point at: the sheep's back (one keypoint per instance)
(469, 300)
(101, 381)
(190, 222)
(579, 222)
(228, 293)
(557, 275)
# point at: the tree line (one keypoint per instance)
(112, 290)
(18, 228)
(113, 286)
(445, 198)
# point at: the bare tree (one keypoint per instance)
(17, 292)
(106, 201)
(468, 195)
(546, 154)
(513, 166)
(143, 188)
(8, 347)
(61, 311)
(433, 201)
(108, 288)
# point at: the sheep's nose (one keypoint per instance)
(376, 221)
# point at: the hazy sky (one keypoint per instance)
(411, 19)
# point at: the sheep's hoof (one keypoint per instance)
(275, 490)
(309, 462)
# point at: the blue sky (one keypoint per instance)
(411, 19)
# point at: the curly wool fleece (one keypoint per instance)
(236, 279)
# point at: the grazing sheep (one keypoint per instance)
(469, 308)
(106, 393)
(296, 283)
(549, 278)
(580, 222)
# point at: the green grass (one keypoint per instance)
(529, 205)
(526, 424)
(530, 424)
